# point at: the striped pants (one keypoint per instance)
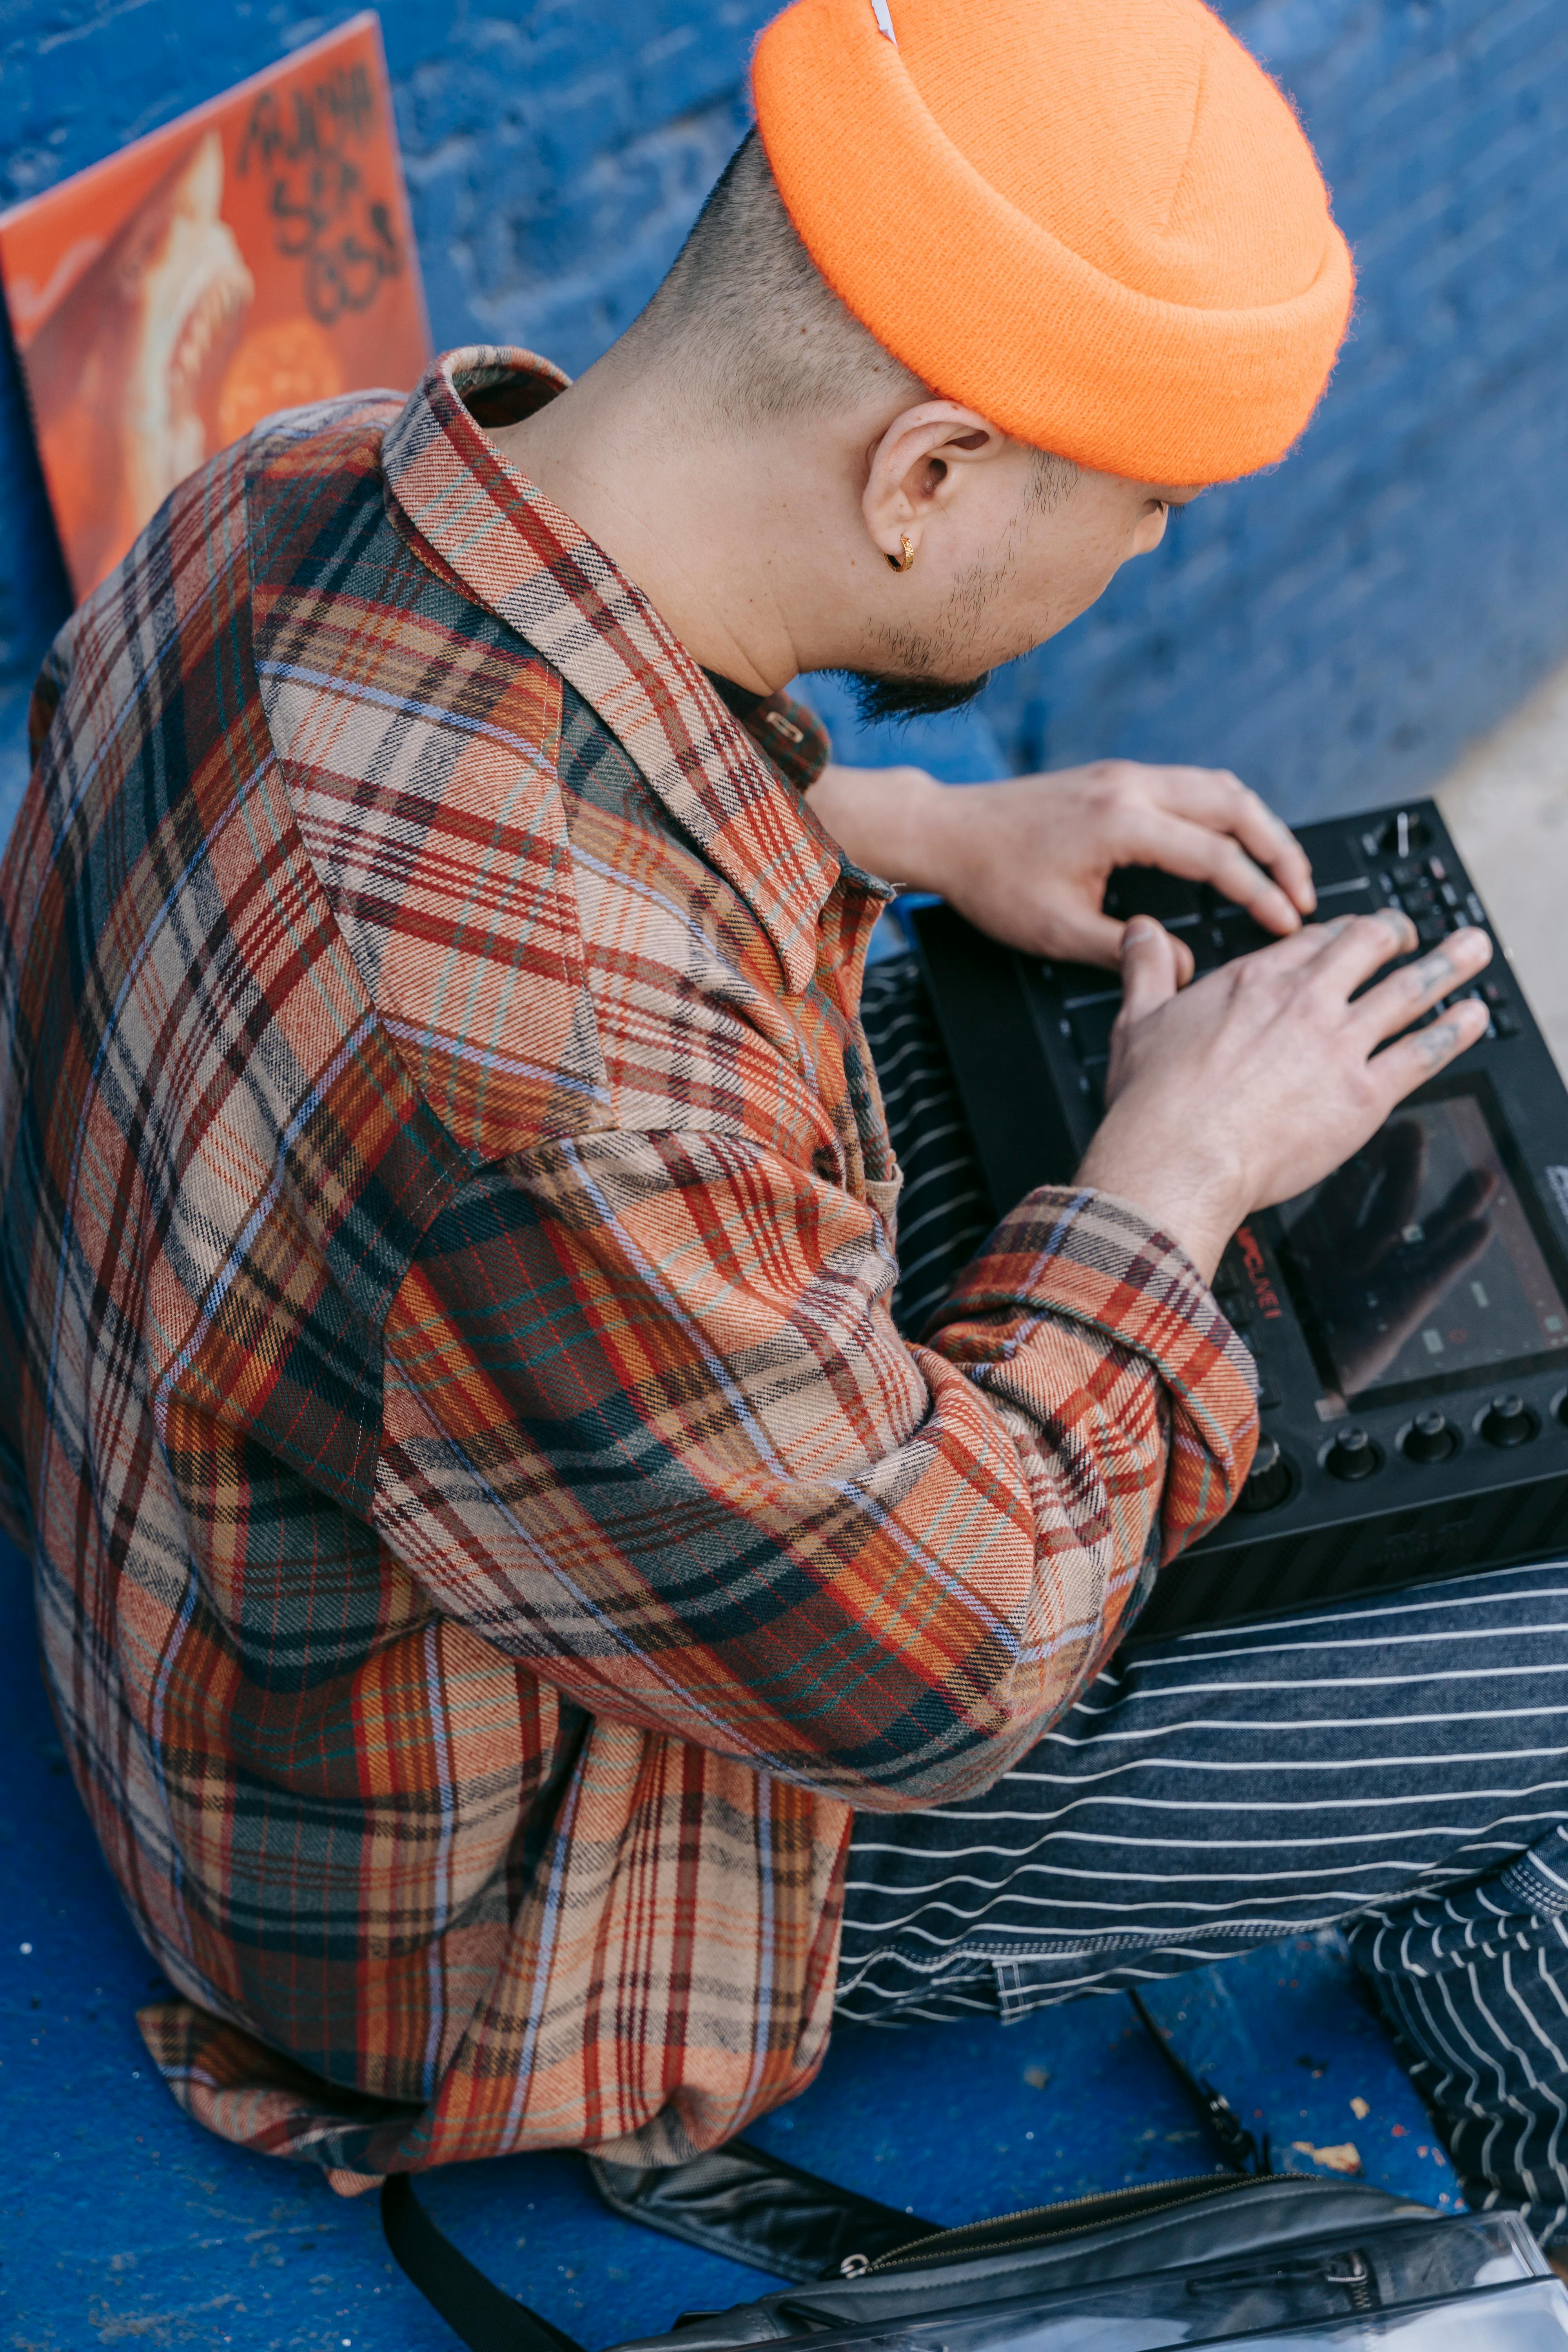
(1397, 1767)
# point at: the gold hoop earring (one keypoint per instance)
(905, 557)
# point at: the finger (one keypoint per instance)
(1406, 994)
(1150, 969)
(1349, 951)
(1214, 797)
(1184, 959)
(1198, 854)
(1409, 1062)
(1304, 947)
(1086, 937)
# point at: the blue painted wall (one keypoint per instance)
(1335, 631)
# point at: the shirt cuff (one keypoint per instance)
(1080, 1256)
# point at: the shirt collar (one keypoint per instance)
(540, 573)
(792, 739)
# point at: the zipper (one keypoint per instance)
(943, 2244)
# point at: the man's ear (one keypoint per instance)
(917, 466)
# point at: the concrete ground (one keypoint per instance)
(1506, 804)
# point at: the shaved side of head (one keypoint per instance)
(753, 332)
(751, 324)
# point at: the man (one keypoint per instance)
(504, 1575)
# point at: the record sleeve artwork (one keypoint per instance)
(253, 255)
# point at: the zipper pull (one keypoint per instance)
(855, 2266)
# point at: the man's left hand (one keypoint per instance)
(1028, 860)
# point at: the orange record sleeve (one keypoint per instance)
(252, 256)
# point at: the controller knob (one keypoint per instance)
(1267, 1481)
(1352, 1456)
(1509, 1422)
(1432, 1438)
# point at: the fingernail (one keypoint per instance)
(1138, 929)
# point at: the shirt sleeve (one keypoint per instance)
(648, 1426)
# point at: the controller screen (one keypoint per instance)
(1418, 1264)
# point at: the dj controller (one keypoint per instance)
(1408, 1316)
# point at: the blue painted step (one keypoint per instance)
(119, 2221)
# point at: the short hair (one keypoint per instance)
(750, 320)
(755, 330)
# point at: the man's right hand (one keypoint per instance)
(1263, 1076)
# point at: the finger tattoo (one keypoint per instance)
(1437, 1043)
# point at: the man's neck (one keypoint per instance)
(717, 531)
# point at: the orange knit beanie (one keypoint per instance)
(1094, 221)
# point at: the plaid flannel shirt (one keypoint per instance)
(488, 1531)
